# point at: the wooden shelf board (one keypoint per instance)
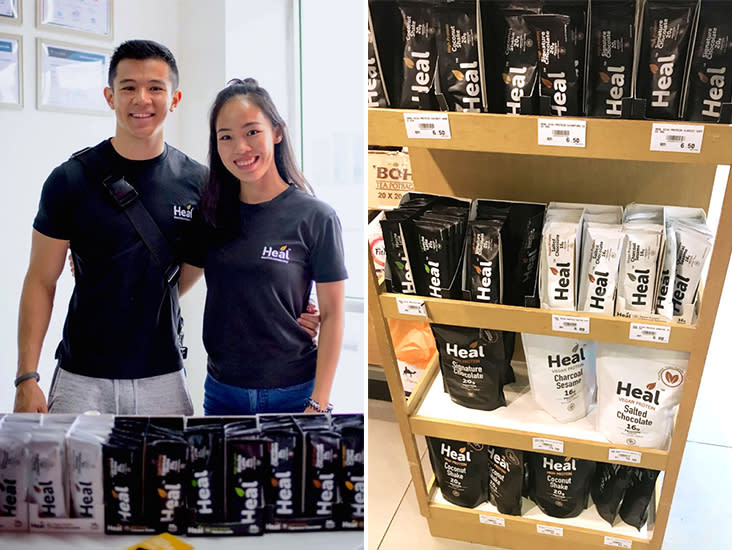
(516, 425)
(603, 328)
(517, 134)
(588, 530)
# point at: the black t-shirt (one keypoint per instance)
(123, 318)
(258, 284)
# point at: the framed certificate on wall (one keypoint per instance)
(11, 71)
(90, 17)
(71, 78)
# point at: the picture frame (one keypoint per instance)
(11, 81)
(93, 18)
(11, 11)
(71, 77)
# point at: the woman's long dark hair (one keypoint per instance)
(220, 198)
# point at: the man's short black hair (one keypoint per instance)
(141, 50)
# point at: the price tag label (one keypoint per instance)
(568, 323)
(549, 530)
(543, 444)
(677, 138)
(649, 333)
(427, 125)
(624, 455)
(618, 543)
(562, 133)
(411, 306)
(492, 520)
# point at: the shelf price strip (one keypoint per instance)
(543, 444)
(624, 455)
(427, 125)
(492, 520)
(549, 530)
(568, 323)
(564, 133)
(649, 333)
(618, 543)
(411, 306)
(677, 138)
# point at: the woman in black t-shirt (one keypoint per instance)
(268, 239)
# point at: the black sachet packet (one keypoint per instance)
(638, 497)
(166, 474)
(246, 468)
(283, 488)
(205, 494)
(667, 25)
(376, 91)
(123, 496)
(506, 479)
(608, 488)
(612, 44)
(351, 479)
(419, 55)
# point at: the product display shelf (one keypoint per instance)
(497, 157)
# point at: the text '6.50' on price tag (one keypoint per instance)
(427, 125)
(677, 138)
(649, 333)
(570, 323)
(562, 133)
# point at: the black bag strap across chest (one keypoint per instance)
(127, 198)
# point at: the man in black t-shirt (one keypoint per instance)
(120, 348)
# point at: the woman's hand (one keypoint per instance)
(309, 320)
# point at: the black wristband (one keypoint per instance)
(27, 376)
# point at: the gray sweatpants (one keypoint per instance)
(75, 393)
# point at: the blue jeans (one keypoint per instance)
(222, 399)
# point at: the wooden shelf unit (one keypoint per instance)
(497, 157)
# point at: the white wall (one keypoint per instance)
(213, 41)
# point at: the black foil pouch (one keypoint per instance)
(472, 362)
(351, 479)
(608, 488)
(667, 25)
(578, 26)
(205, 494)
(557, 58)
(321, 472)
(458, 44)
(612, 39)
(419, 59)
(634, 510)
(484, 261)
(519, 54)
(283, 491)
(122, 484)
(559, 485)
(506, 479)
(400, 277)
(461, 470)
(246, 468)
(166, 474)
(376, 91)
(709, 80)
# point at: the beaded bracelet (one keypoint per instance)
(316, 406)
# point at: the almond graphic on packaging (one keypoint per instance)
(275, 482)
(592, 279)
(604, 77)
(36, 489)
(409, 63)
(671, 378)
(546, 82)
(350, 486)
(457, 74)
(282, 248)
(631, 277)
(317, 483)
(473, 345)
(554, 270)
(115, 494)
(575, 348)
(162, 493)
(461, 450)
(651, 386)
(654, 68)
(704, 78)
(506, 78)
(477, 269)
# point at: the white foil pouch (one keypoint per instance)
(694, 244)
(638, 267)
(601, 247)
(46, 485)
(84, 459)
(561, 374)
(558, 259)
(664, 296)
(637, 392)
(13, 473)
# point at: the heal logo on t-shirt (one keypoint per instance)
(281, 254)
(182, 212)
